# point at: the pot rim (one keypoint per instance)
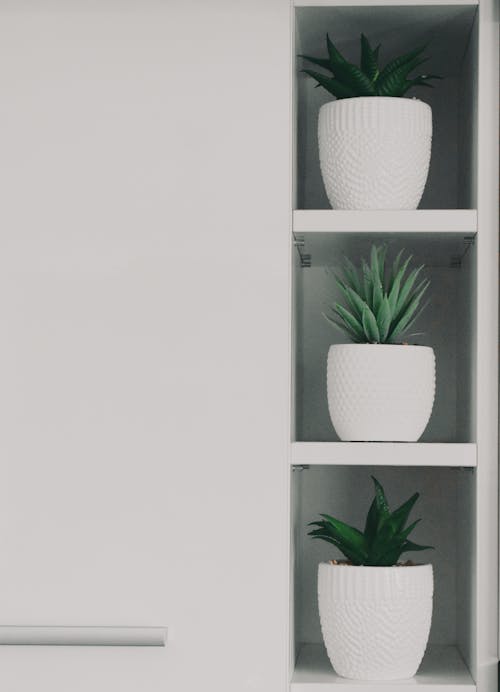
(368, 568)
(414, 100)
(382, 346)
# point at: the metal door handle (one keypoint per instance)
(82, 636)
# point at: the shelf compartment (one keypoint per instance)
(448, 325)
(436, 220)
(384, 454)
(442, 670)
(448, 509)
(451, 32)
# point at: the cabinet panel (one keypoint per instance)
(144, 275)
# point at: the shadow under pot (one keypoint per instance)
(380, 392)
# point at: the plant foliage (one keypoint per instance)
(346, 80)
(381, 306)
(384, 538)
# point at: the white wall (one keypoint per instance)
(143, 336)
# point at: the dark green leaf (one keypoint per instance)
(404, 534)
(321, 62)
(395, 82)
(369, 59)
(380, 499)
(336, 58)
(333, 86)
(408, 545)
(401, 61)
(400, 516)
(351, 76)
(349, 537)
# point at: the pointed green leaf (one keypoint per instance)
(384, 319)
(333, 86)
(321, 62)
(405, 290)
(370, 326)
(351, 275)
(348, 536)
(356, 337)
(356, 302)
(401, 61)
(408, 545)
(369, 59)
(415, 318)
(393, 83)
(380, 498)
(351, 76)
(367, 283)
(401, 514)
(373, 520)
(395, 268)
(349, 319)
(336, 58)
(402, 535)
(406, 321)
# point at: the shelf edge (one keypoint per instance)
(449, 454)
(420, 220)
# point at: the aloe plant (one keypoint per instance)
(385, 536)
(347, 80)
(381, 306)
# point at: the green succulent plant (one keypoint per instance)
(347, 80)
(381, 306)
(384, 538)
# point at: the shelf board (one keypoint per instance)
(412, 221)
(442, 670)
(384, 453)
(388, 3)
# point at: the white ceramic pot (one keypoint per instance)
(380, 392)
(375, 620)
(375, 151)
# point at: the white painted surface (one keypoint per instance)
(442, 670)
(486, 540)
(143, 256)
(384, 453)
(406, 221)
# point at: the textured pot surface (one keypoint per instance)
(375, 152)
(375, 620)
(380, 392)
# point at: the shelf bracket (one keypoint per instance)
(456, 260)
(304, 258)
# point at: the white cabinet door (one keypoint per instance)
(144, 339)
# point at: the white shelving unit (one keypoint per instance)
(455, 234)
